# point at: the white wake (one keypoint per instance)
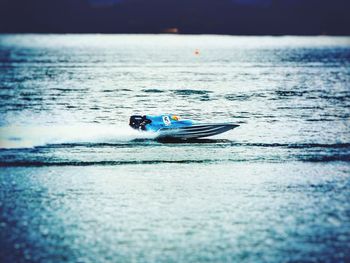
(31, 136)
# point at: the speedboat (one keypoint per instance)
(173, 127)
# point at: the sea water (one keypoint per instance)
(78, 185)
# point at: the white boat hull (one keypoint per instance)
(196, 131)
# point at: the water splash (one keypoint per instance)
(31, 136)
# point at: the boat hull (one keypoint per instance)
(196, 131)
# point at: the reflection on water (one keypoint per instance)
(275, 189)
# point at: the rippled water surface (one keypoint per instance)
(77, 184)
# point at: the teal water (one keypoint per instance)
(78, 185)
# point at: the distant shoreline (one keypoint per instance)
(181, 34)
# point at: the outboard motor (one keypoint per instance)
(139, 122)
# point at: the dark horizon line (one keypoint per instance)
(163, 33)
(224, 17)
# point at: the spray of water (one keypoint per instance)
(31, 136)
